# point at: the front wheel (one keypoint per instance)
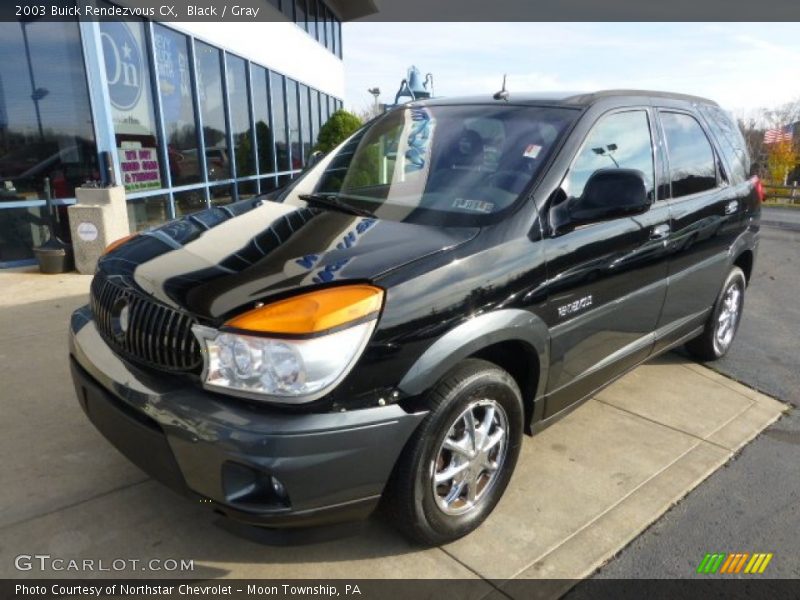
(720, 329)
(458, 463)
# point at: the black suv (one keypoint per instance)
(458, 272)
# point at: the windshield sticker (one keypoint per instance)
(480, 206)
(419, 139)
(532, 151)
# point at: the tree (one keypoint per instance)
(339, 127)
(781, 159)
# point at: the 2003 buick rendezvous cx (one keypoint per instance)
(455, 274)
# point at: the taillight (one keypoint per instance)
(759, 185)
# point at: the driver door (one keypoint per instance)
(607, 279)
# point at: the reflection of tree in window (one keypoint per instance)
(691, 159)
(239, 108)
(209, 83)
(262, 127)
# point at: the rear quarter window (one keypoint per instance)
(730, 140)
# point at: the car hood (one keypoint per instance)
(224, 260)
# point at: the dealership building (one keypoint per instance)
(183, 115)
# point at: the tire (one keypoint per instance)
(722, 323)
(435, 514)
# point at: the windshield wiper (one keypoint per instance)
(334, 201)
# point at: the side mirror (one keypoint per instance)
(610, 193)
(315, 157)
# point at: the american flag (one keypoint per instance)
(784, 134)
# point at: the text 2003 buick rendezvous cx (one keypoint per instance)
(386, 328)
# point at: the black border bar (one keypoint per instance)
(417, 10)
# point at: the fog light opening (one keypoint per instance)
(251, 487)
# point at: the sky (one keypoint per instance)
(742, 66)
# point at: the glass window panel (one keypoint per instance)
(331, 106)
(323, 109)
(189, 201)
(131, 94)
(300, 14)
(287, 7)
(338, 36)
(279, 121)
(268, 184)
(334, 43)
(144, 213)
(293, 117)
(284, 179)
(240, 116)
(21, 229)
(311, 8)
(328, 30)
(730, 139)
(222, 194)
(177, 105)
(47, 144)
(247, 189)
(305, 125)
(621, 140)
(212, 109)
(691, 159)
(314, 117)
(262, 117)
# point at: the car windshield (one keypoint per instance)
(458, 165)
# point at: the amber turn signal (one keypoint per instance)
(313, 312)
(117, 243)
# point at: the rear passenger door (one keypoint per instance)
(705, 215)
(606, 280)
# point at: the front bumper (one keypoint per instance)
(227, 453)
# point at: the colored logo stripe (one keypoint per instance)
(758, 563)
(731, 563)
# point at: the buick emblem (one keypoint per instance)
(123, 318)
(120, 317)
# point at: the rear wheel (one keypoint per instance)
(720, 329)
(458, 463)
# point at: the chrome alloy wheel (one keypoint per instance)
(470, 457)
(728, 318)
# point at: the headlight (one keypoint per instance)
(291, 351)
(117, 243)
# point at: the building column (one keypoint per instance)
(100, 101)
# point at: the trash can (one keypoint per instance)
(99, 218)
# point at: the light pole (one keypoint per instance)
(375, 93)
(37, 94)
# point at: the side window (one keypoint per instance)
(618, 141)
(731, 141)
(691, 159)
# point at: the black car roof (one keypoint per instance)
(573, 99)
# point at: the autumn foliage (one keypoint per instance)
(782, 157)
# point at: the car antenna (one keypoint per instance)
(502, 94)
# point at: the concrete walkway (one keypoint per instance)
(583, 489)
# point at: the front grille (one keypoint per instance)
(156, 335)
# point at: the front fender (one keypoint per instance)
(474, 335)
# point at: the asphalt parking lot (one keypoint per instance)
(753, 504)
(584, 488)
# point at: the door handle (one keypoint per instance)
(731, 207)
(660, 232)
